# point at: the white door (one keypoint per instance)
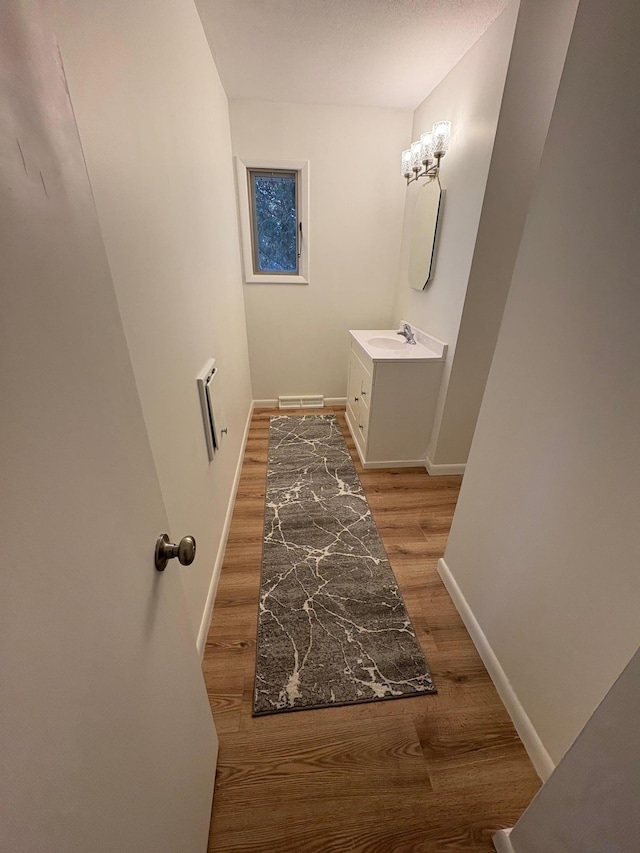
(106, 737)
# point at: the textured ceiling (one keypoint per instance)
(386, 53)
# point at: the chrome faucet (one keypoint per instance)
(407, 332)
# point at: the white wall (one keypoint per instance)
(545, 543)
(298, 339)
(469, 96)
(153, 122)
(537, 58)
(590, 803)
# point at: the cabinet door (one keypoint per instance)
(359, 381)
(362, 418)
(366, 384)
(358, 394)
(355, 381)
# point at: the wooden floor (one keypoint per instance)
(431, 773)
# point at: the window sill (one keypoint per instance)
(276, 279)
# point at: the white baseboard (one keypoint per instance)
(439, 470)
(273, 404)
(539, 756)
(215, 577)
(395, 463)
(502, 842)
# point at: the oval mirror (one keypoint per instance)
(428, 210)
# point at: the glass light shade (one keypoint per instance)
(426, 144)
(416, 161)
(406, 163)
(441, 135)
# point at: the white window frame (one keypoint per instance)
(242, 173)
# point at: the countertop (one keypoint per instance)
(427, 347)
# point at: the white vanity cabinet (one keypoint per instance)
(391, 396)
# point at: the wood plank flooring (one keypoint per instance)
(437, 774)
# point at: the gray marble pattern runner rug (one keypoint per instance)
(332, 626)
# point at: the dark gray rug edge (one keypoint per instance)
(370, 700)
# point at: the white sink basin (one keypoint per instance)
(388, 343)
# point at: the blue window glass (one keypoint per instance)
(274, 221)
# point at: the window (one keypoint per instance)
(273, 201)
(274, 221)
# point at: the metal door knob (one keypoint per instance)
(185, 551)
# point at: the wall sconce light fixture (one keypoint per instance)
(422, 160)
